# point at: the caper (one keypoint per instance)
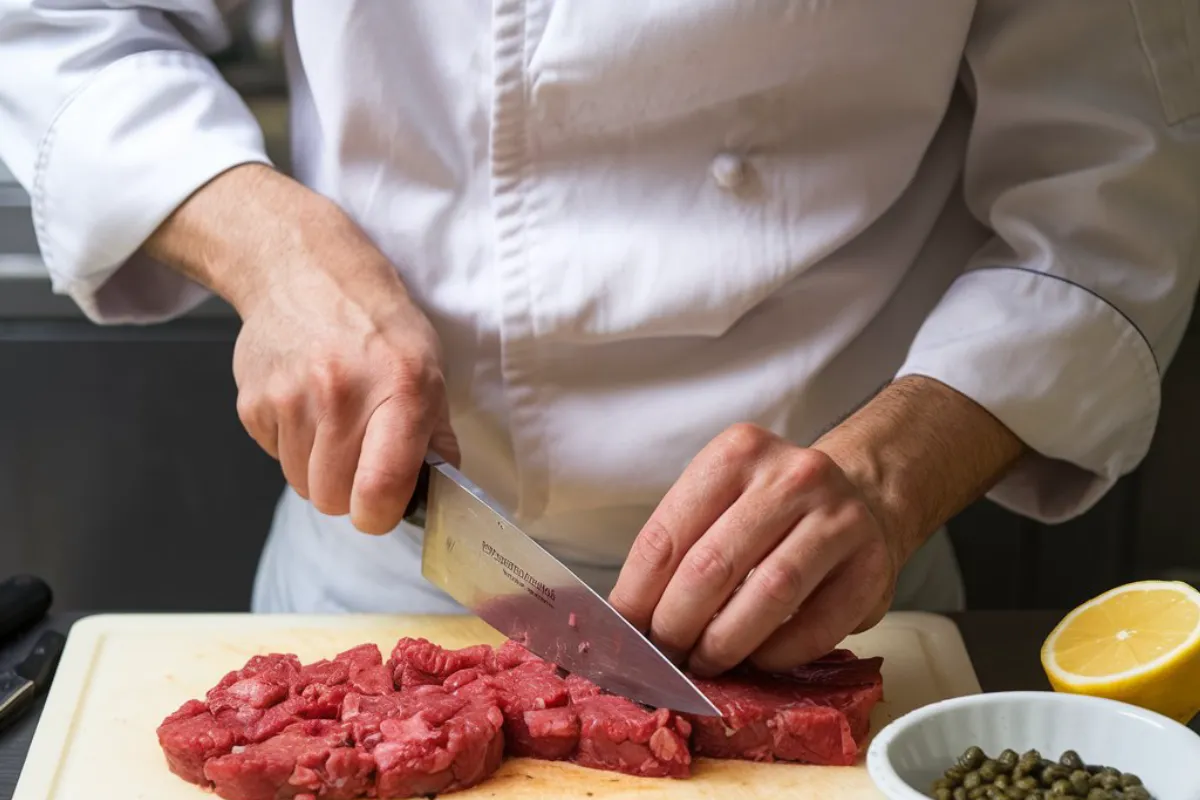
(1061, 787)
(1110, 771)
(1137, 793)
(1071, 760)
(1016, 793)
(942, 783)
(972, 780)
(1080, 782)
(960, 793)
(1097, 794)
(1054, 773)
(1109, 781)
(1008, 759)
(1027, 764)
(943, 794)
(1129, 780)
(971, 759)
(1002, 781)
(1028, 783)
(978, 793)
(989, 769)
(954, 775)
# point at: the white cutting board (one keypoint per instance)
(121, 674)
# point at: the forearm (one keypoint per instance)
(921, 452)
(251, 227)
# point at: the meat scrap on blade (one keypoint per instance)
(431, 721)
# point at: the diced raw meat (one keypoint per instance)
(417, 662)
(530, 694)
(191, 736)
(581, 688)
(263, 682)
(314, 757)
(618, 734)
(432, 720)
(791, 717)
(435, 743)
(512, 654)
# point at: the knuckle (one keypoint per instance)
(855, 514)
(416, 372)
(718, 651)
(329, 504)
(288, 403)
(331, 382)
(708, 566)
(249, 409)
(810, 468)
(627, 605)
(779, 584)
(745, 442)
(378, 487)
(669, 637)
(654, 547)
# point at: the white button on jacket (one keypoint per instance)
(637, 223)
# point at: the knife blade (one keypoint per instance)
(20, 686)
(474, 551)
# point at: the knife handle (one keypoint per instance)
(414, 514)
(24, 600)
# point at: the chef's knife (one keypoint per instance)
(474, 552)
(21, 685)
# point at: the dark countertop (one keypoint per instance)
(1003, 646)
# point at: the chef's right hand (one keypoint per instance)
(339, 374)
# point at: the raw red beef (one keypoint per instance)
(819, 714)
(538, 719)
(431, 720)
(437, 743)
(315, 758)
(191, 736)
(417, 662)
(619, 735)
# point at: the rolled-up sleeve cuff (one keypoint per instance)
(123, 153)
(1063, 369)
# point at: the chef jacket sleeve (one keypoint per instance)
(1084, 161)
(111, 116)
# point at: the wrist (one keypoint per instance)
(252, 232)
(881, 483)
(920, 452)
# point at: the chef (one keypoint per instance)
(733, 303)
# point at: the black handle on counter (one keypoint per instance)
(24, 600)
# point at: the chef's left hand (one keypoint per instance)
(762, 550)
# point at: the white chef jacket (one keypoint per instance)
(634, 224)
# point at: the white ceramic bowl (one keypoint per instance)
(912, 752)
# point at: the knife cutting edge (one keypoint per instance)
(476, 553)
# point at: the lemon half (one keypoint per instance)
(1138, 643)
